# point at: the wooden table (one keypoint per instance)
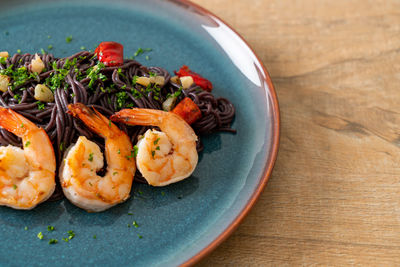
(334, 196)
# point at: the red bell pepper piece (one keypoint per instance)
(110, 53)
(188, 110)
(200, 81)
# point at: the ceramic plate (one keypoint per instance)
(179, 223)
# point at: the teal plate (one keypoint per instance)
(180, 223)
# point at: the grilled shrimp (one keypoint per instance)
(162, 157)
(79, 180)
(26, 175)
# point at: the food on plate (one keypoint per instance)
(166, 156)
(78, 172)
(26, 174)
(40, 87)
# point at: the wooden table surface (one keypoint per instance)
(334, 195)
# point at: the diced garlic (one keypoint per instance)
(169, 103)
(175, 79)
(4, 80)
(186, 81)
(37, 64)
(4, 54)
(43, 93)
(159, 80)
(145, 81)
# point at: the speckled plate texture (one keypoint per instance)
(180, 223)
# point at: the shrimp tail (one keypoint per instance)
(94, 120)
(15, 123)
(138, 116)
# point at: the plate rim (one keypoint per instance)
(269, 164)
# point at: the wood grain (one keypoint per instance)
(334, 196)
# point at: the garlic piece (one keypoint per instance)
(186, 81)
(175, 79)
(37, 64)
(159, 80)
(4, 54)
(145, 81)
(4, 80)
(43, 93)
(169, 103)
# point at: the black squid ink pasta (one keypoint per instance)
(81, 78)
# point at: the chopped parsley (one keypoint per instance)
(27, 143)
(135, 224)
(22, 125)
(19, 51)
(153, 153)
(68, 39)
(140, 192)
(130, 213)
(140, 237)
(15, 186)
(156, 141)
(138, 52)
(134, 79)
(109, 123)
(94, 75)
(119, 151)
(147, 58)
(90, 157)
(131, 155)
(121, 99)
(40, 235)
(53, 241)
(50, 47)
(50, 228)
(114, 173)
(94, 237)
(71, 234)
(158, 148)
(40, 105)
(83, 48)
(135, 150)
(65, 239)
(152, 74)
(61, 146)
(26, 228)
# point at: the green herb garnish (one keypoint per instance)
(71, 234)
(40, 105)
(90, 157)
(135, 150)
(135, 224)
(40, 235)
(50, 228)
(27, 143)
(53, 241)
(68, 39)
(15, 186)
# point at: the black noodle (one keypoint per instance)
(115, 89)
